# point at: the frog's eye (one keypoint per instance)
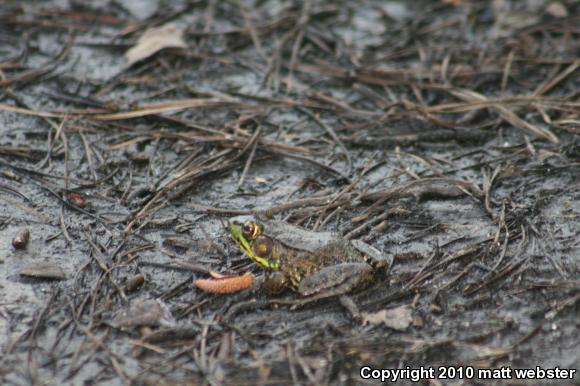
(251, 230)
(262, 247)
(248, 230)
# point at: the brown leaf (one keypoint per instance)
(154, 40)
(396, 318)
(149, 312)
(43, 270)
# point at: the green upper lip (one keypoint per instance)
(235, 230)
(238, 236)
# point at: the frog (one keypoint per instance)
(309, 263)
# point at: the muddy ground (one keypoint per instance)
(443, 133)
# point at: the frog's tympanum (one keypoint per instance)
(308, 262)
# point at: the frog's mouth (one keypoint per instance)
(237, 232)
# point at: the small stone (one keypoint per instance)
(399, 318)
(134, 282)
(77, 199)
(21, 239)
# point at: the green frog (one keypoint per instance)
(310, 263)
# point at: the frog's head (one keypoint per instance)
(253, 243)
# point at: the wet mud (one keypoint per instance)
(443, 133)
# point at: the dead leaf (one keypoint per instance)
(153, 313)
(154, 40)
(399, 318)
(43, 270)
(557, 10)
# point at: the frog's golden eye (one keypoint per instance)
(262, 247)
(251, 230)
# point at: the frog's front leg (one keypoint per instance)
(275, 282)
(336, 279)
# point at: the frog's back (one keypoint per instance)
(297, 237)
(297, 264)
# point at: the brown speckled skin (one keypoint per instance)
(297, 264)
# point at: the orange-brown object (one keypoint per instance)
(77, 199)
(225, 284)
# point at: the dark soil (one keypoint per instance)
(443, 133)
